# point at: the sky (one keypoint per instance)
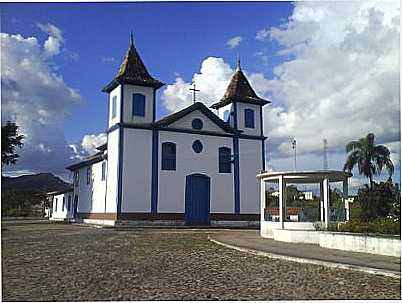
(330, 69)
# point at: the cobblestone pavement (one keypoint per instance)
(58, 262)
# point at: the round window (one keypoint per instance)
(197, 146)
(197, 124)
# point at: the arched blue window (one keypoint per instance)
(138, 105)
(197, 146)
(226, 115)
(197, 123)
(225, 160)
(168, 156)
(249, 118)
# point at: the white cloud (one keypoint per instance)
(212, 81)
(262, 35)
(55, 40)
(38, 100)
(234, 42)
(343, 79)
(90, 142)
(340, 83)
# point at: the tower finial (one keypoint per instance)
(131, 39)
(238, 68)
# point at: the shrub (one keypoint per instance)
(378, 202)
(379, 226)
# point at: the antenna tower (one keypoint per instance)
(325, 158)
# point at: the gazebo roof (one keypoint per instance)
(307, 176)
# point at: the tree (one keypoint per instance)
(369, 158)
(10, 140)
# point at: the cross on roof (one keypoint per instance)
(194, 91)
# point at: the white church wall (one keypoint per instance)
(256, 131)
(137, 168)
(129, 90)
(91, 196)
(187, 120)
(250, 164)
(112, 180)
(114, 93)
(60, 211)
(171, 190)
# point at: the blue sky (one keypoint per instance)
(171, 38)
(331, 70)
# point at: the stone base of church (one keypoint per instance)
(166, 219)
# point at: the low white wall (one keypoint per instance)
(333, 240)
(296, 236)
(267, 227)
(358, 243)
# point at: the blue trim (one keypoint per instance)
(263, 154)
(235, 116)
(179, 130)
(120, 160)
(236, 175)
(155, 173)
(154, 106)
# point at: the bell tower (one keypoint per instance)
(132, 91)
(131, 113)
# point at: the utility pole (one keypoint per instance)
(325, 159)
(294, 149)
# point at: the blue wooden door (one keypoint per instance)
(197, 199)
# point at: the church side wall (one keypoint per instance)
(58, 212)
(114, 93)
(137, 167)
(250, 165)
(91, 197)
(112, 179)
(171, 191)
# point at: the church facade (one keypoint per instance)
(196, 166)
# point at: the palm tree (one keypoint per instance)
(370, 158)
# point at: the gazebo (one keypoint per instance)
(321, 177)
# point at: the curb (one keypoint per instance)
(370, 270)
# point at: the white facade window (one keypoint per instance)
(64, 204)
(55, 204)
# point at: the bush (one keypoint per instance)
(379, 226)
(378, 202)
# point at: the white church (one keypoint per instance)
(197, 166)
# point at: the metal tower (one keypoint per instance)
(325, 158)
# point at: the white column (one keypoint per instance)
(262, 199)
(321, 202)
(326, 201)
(345, 197)
(282, 189)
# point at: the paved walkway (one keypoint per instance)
(250, 240)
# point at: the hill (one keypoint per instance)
(43, 183)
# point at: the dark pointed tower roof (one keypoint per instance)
(239, 90)
(132, 71)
